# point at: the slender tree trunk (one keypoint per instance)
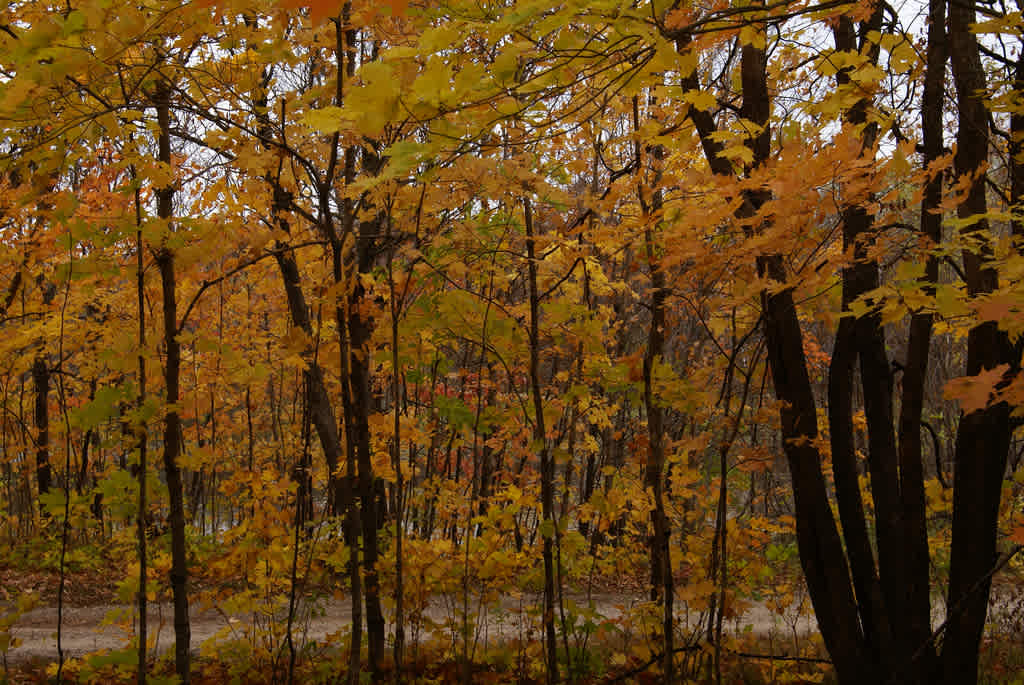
(142, 435)
(347, 489)
(360, 328)
(87, 441)
(918, 623)
(662, 582)
(547, 470)
(396, 461)
(41, 386)
(172, 420)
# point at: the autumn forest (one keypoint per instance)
(547, 341)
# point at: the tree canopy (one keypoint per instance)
(520, 298)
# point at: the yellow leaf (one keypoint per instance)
(741, 152)
(327, 119)
(752, 35)
(902, 57)
(701, 99)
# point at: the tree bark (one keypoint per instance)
(983, 437)
(41, 414)
(822, 556)
(172, 419)
(879, 590)
(142, 439)
(918, 620)
(360, 328)
(662, 582)
(547, 466)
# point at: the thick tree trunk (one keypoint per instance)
(983, 436)
(881, 591)
(821, 550)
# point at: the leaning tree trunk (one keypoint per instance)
(822, 556)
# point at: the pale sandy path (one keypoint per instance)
(83, 630)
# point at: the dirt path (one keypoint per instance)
(109, 627)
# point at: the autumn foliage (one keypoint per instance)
(582, 341)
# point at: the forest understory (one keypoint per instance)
(512, 341)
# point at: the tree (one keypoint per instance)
(526, 270)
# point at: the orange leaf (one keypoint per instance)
(974, 392)
(322, 9)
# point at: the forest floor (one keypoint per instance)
(88, 629)
(94, 620)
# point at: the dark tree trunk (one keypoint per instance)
(172, 421)
(547, 466)
(360, 328)
(321, 411)
(918, 620)
(881, 624)
(822, 556)
(880, 590)
(983, 437)
(347, 491)
(87, 440)
(662, 582)
(142, 439)
(41, 386)
(821, 549)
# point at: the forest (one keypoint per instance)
(542, 341)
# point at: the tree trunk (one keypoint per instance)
(547, 469)
(41, 385)
(360, 328)
(918, 623)
(983, 437)
(142, 439)
(822, 555)
(172, 420)
(662, 582)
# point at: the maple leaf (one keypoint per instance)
(975, 392)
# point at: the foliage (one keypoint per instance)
(474, 303)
